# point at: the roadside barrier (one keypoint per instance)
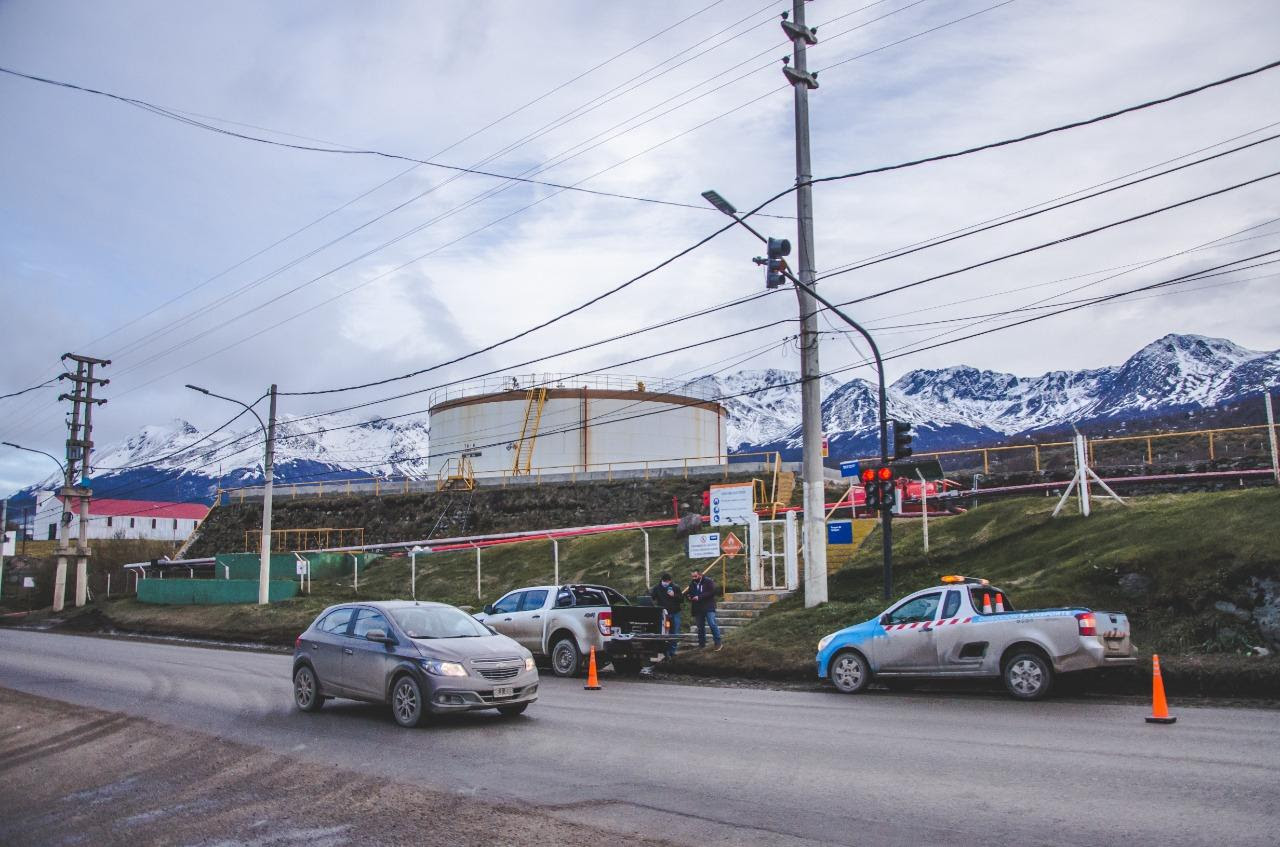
(1159, 708)
(593, 682)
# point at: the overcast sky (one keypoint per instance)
(108, 211)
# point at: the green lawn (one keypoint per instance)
(1165, 560)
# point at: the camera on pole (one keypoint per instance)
(775, 266)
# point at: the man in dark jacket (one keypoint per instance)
(702, 601)
(666, 596)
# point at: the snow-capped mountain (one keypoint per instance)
(762, 404)
(176, 461)
(949, 407)
(960, 406)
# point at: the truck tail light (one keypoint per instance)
(297, 643)
(605, 621)
(1087, 622)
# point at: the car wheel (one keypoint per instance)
(1028, 676)
(306, 690)
(512, 710)
(849, 672)
(406, 702)
(566, 658)
(627, 666)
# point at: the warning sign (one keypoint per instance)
(731, 504)
(730, 545)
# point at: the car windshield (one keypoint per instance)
(437, 622)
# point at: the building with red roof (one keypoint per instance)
(116, 518)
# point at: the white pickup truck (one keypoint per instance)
(968, 628)
(561, 623)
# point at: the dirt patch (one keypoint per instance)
(71, 775)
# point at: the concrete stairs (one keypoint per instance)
(786, 487)
(733, 611)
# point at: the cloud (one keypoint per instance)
(114, 211)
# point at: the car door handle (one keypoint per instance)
(506, 619)
(348, 651)
(535, 617)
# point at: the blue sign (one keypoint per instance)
(850, 469)
(840, 532)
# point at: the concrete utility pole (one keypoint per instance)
(815, 541)
(4, 537)
(76, 476)
(264, 565)
(269, 433)
(1271, 436)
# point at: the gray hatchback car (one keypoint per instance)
(421, 658)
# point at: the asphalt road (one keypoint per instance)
(718, 766)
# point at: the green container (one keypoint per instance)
(211, 592)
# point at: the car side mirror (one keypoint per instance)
(884, 619)
(488, 609)
(379, 635)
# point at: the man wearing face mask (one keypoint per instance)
(667, 596)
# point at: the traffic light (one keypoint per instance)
(774, 265)
(871, 488)
(888, 493)
(901, 439)
(878, 485)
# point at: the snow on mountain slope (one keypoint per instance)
(762, 404)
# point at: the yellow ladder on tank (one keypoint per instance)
(523, 461)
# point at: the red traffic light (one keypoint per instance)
(884, 473)
(868, 474)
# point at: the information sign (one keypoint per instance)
(840, 532)
(704, 546)
(850, 468)
(731, 504)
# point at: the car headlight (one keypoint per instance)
(826, 639)
(528, 663)
(439, 668)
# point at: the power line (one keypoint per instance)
(350, 151)
(1084, 233)
(44, 384)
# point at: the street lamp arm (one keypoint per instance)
(724, 206)
(237, 402)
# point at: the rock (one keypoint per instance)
(1231, 609)
(1135, 584)
(1266, 613)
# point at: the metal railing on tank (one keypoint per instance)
(517, 383)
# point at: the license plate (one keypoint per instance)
(504, 691)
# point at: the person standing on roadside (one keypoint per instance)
(667, 596)
(702, 602)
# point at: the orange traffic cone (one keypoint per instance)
(986, 604)
(1159, 708)
(999, 603)
(593, 682)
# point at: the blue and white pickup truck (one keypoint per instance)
(966, 627)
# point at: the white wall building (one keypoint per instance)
(112, 518)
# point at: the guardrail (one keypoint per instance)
(696, 466)
(601, 382)
(1120, 451)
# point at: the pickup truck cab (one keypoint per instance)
(966, 627)
(560, 624)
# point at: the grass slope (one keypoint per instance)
(615, 559)
(1165, 560)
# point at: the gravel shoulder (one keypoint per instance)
(71, 775)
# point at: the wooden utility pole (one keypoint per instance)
(76, 480)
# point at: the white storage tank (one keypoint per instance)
(548, 424)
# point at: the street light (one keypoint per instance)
(714, 198)
(269, 434)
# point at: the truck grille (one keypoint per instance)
(498, 673)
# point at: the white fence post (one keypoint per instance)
(789, 553)
(1271, 437)
(478, 595)
(924, 508)
(647, 582)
